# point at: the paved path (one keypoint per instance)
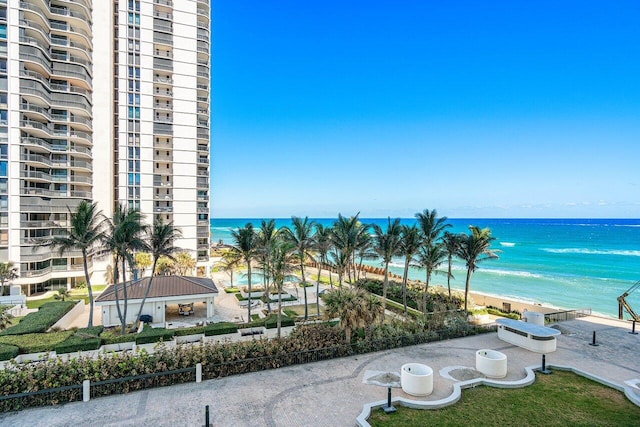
(332, 393)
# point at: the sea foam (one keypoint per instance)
(592, 251)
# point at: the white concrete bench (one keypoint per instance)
(536, 338)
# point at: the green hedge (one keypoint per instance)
(151, 335)
(497, 312)
(220, 328)
(231, 290)
(8, 351)
(83, 340)
(285, 321)
(114, 337)
(41, 320)
(36, 343)
(188, 331)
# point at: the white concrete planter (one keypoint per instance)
(189, 338)
(34, 357)
(151, 347)
(491, 363)
(416, 379)
(534, 317)
(122, 346)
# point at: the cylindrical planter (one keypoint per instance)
(491, 363)
(416, 379)
(534, 317)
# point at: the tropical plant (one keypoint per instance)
(165, 267)
(363, 248)
(451, 242)
(5, 318)
(283, 261)
(245, 246)
(266, 237)
(410, 242)
(125, 235)
(301, 236)
(229, 263)
(351, 305)
(430, 258)
(184, 264)
(8, 272)
(86, 233)
(143, 260)
(347, 233)
(161, 243)
(322, 245)
(474, 248)
(63, 294)
(387, 245)
(431, 226)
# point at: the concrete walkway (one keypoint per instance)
(332, 393)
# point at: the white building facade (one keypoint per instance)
(104, 101)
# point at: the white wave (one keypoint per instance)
(507, 244)
(510, 273)
(592, 251)
(396, 265)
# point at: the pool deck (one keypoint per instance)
(332, 393)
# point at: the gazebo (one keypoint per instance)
(164, 291)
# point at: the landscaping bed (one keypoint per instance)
(41, 320)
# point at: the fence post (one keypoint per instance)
(86, 390)
(198, 372)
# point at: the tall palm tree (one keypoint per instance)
(301, 236)
(124, 236)
(229, 263)
(266, 237)
(451, 242)
(351, 305)
(364, 248)
(431, 226)
(345, 237)
(322, 247)
(430, 258)
(86, 233)
(387, 245)
(340, 261)
(161, 242)
(474, 248)
(410, 242)
(283, 262)
(245, 245)
(8, 272)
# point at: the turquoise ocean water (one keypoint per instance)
(567, 263)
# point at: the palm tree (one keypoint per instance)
(410, 242)
(301, 236)
(430, 258)
(143, 261)
(451, 242)
(474, 248)
(184, 263)
(431, 226)
(245, 240)
(229, 263)
(351, 305)
(86, 234)
(364, 248)
(161, 244)
(345, 237)
(322, 247)
(8, 272)
(123, 238)
(386, 245)
(266, 237)
(283, 262)
(5, 318)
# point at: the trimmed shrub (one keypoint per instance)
(150, 335)
(8, 351)
(114, 337)
(41, 320)
(36, 343)
(188, 331)
(497, 312)
(83, 340)
(220, 328)
(231, 290)
(285, 321)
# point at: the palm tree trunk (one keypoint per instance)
(249, 286)
(267, 284)
(449, 277)
(466, 290)
(304, 288)
(404, 286)
(279, 308)
(86, 277)
(116, 273)
(124, 296)
(426, 290)
(144, 298)
(318, 290)
(347, 333)
(385, 284)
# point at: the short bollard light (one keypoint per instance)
(593, 342)
(633, 328)
(206, 417)
(389, 409)
(543, 369)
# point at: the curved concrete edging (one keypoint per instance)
(529, 378)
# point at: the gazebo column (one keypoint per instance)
(210, 311)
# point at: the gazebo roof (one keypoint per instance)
(161, 287)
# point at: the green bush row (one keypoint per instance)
(188, 331)
(272, 322)
(82, 340)
(8, 351)
(151, 335)
(497, 312)
(231, 290)
(36, 343)
(41, 320)
(220, 328)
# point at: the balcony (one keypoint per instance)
(162, 64)
(163, 38)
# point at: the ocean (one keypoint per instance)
(565, 263)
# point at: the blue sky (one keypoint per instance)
(477, 109)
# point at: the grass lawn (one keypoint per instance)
(560, 399)
(299, 309)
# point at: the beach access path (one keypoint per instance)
(332, 393)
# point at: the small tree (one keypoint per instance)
(229, 263)
(63, 294)
(8, 272)
(143, 261)
(165, 267)
(5, 318)
(184, 264)
(351, 305)
(474, 248)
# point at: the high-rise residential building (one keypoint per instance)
(104, 101)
